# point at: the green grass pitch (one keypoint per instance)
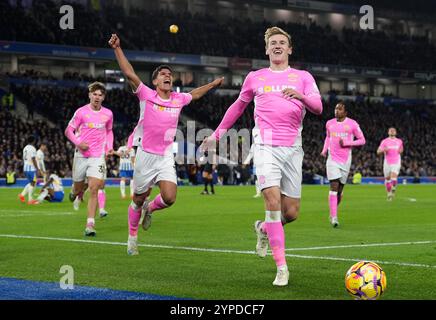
(203, 246)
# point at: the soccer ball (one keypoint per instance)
(174, 28)
(365, 280)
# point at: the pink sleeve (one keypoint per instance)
(360, 141)
(247, 93)
(232, 114)
(69, 133)
(76, 120)
(143, 92)
(382, 144)
(109, 134)
(312, 98)
(326, 141)
(130, 140)
(109, 140)
(187, 98)
(110, 123)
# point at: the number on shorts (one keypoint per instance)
(101, 168)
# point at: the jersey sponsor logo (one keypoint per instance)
(174, 111)
(276, 88)
(394, 147)
(339, 134)
(93, 125)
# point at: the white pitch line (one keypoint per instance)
(362, 245)
(251, 252)
(31, 213)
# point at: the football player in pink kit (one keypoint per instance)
(154, 159)
(94, 141)
(392, 148)
(339, 141)
(281, 97)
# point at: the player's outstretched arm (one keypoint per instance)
(124, 64)
(197, 93)
(232, 114)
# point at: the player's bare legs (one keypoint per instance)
(76, 195)
(78, 187)
(165, 199)
(340, 192)
(94, 185)
(290, 209)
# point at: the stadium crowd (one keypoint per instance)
(234, 37)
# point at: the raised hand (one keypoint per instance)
(218, 82)
(114, 41)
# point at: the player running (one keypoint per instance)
(30, 170)
(281, 97)
(339, 141)
(392, 148)
(93, 123)
(154, 162)
(127, 163)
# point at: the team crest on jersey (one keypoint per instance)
(261, 78)
(293, 75)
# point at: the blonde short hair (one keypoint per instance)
(276, 30)
(97, 86)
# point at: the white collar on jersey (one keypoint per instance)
(279, 71)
